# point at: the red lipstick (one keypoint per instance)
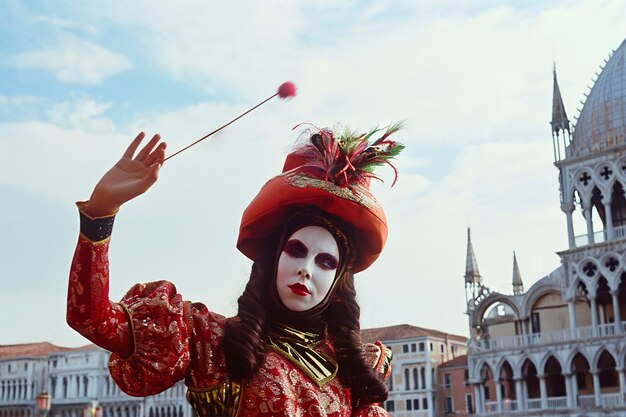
(299, 289)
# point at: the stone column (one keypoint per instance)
(568, 209)
(594, 314)
(498, 387)
(543, 390)
(571, 309)
(608, 230)
(519, 394)
(616, 314)
(429, 388)
(596, 387)
(587, 211)
(575, 389)
(622, 384)
(569, 393)
(477, 404)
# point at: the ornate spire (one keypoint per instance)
(559, 122)
(472, 276)
(518, 285)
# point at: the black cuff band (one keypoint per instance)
(96, 229)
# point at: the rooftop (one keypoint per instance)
(601, 123)
(460, 361)
(41, 349)
(405, 331)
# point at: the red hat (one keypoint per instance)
(331, 174)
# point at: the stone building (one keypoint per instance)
(416, 354)
(455, 395)
(79, 382)
(560, 346)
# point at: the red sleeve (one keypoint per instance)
(89, 310)
(158, 317)
(146, 332)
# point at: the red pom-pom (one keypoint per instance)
(287, 89)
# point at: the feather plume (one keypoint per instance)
(350, 157)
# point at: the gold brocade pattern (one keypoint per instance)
(297, 346)
(354, 192)
(220, 401)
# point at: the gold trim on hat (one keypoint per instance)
(354, 192)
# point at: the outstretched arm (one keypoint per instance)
(89, 310)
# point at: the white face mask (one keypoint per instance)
(306, 268)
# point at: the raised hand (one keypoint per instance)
(129, 177)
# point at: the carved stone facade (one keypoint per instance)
(79, 382)
(560, 347)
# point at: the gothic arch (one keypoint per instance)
(539, 289)
(529, 376)
(555, 381)
(599, 353)
(544, 360)
(583, 182)
(517, 369)
(570, 358)
(606, 366)
(491, 300)
(506, 377)
(501, 362)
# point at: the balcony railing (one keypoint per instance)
(586, 401)
(557, 402)
(609, 400)
(619, 232)
(534, 404)
(546, 338)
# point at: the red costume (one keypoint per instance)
(156, 338)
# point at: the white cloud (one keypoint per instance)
(73, 60)
(65, 24)
(18, 100)
(475, 89)
(81, 112)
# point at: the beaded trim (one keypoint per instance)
(98, 229)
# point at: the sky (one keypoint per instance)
(471, 79)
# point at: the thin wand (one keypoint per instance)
(220, 128)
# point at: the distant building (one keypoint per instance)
(455, 395)
(559, 348)
(78, 380)
(417, 352)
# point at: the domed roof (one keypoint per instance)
(602, 120)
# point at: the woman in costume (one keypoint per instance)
(294, 348)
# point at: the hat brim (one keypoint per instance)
(283, 193)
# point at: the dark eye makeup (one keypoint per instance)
(297, 249)
(326, 261)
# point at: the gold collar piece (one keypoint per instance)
(298, 347)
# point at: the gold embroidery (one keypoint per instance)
(222, 400)
(132, 329)
(297, 346)
(354, 192)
